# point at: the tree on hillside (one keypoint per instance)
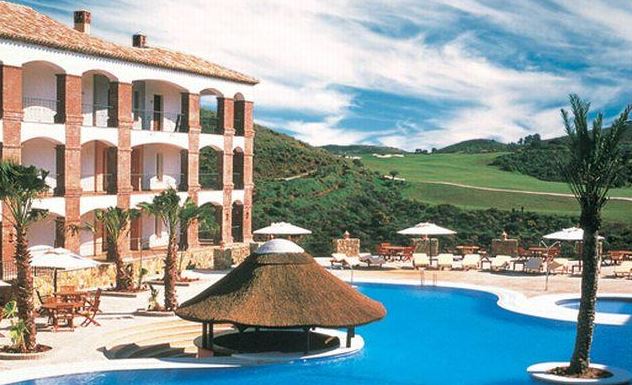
(19, 187)
(595, 161)
(166, 207)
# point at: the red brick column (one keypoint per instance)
(191, 109)
(121, 118)
(11, 110)
(69, 111)
(225, 113)
(246, 108)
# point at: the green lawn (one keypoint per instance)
(468, 169)
(473, 169)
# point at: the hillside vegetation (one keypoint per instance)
(358, 149)
(342, 195)
(474, 146)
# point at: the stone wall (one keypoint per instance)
(212, 257)
(347, 246)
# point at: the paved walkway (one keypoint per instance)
(84, 344)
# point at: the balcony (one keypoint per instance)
(145, 182)
(38, 110)
(95, 115)
(159, 121)
(210, 125)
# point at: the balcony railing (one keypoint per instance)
(96, 115)
(238, 181)
(210, 125)
(39, 110)
(159, 121)
(210, 181)
(145, 182)
(102, 183)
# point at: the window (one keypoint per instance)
(159, 167)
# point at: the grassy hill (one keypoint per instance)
(434, 179)
(358, 149)
(474, 146)
(340, 194)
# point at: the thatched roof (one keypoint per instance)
(282, 289)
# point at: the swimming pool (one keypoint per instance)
(431, 336)
(604, 305)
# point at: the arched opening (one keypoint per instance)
(48, 155)
(49, 231)
(239, 114)
(210, 225)
(157, 106)
(209, 108)
(157, 166)
(40, 99)
(211, 168)
(238, 220)
(96, 102)
(238, 169)
(98, 167)
(91, 243)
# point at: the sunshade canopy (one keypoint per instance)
(281, 286)
(426, 228)
(59, 258)
(570, 234)
(282, 228)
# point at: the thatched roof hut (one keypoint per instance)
(281, 286)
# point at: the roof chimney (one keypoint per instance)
(139, 40)
(82, 21)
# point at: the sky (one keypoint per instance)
(404, 73)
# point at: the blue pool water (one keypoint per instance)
(430, 336)
(604, 305)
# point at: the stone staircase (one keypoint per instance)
(172, 338)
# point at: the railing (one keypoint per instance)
(39, 110)
(238, 126)
(96, 115)
(144, 182)
(210, 181)
(159, 121)
(210, 125)
(238, 181)
(8, 269)
(102, 183)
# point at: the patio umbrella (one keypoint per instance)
(58, 259)
(426, 229)
(570, 234)
(282, 228)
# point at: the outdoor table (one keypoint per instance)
(71, 296)
(58, 310)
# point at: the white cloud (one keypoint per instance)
(304, 51)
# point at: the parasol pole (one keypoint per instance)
(548, 269)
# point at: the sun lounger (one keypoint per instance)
(558, 265)
(625, 268)
(420, 260)
(500, 262)
(471, 261)
(534, 265)
(372, 260)
(337, 259)
(445, 261)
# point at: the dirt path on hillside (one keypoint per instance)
(625, 199)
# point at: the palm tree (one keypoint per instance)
(595, 160)
(166, 206)
(116, 225)
(19, 187)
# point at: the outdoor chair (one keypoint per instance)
(624, 269)
(337, 259)
(558, 265)
(500, 262)
(91, 309)
(471, 261)
(420, 260)
(372, 260)
(534, 265)
(445, 261)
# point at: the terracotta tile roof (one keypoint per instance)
(21, 23)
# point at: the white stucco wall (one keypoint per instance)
(87, 238)
(171, 166)
(87, 166)
(42, 154)
(43, 232)
(149, 232)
